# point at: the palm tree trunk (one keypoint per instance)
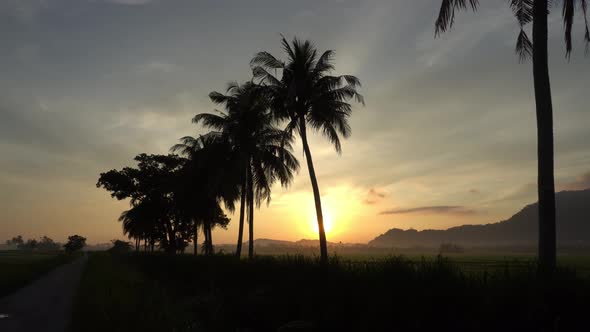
(171, 248)
(211, 252)
(316, 192)
(546, 185)
(196, 240)
(250, 214)
(208, 242)
(242, 210)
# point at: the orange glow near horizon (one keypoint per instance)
(339, 206)
(329, 222)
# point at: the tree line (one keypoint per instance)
(249, 147)
(45, 243)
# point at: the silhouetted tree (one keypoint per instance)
(46, 243)
(17, 240)
(208, 179)
(142, 221)
(261, 151)
(150, 188)
(535, 11)
(120, 246)
(30, 244)
(75, 243)
(306, 95)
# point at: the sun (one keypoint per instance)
(328, 220)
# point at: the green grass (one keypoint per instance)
(185, 293)
(18, 268)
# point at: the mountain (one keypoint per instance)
(573, 228)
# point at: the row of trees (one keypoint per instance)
(75, 243)
(44, 243)
(249, 148)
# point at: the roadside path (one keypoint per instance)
(44, 305)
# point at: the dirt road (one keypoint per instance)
(46, 304)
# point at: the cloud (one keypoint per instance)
(580, 183)
(437, 209)
(374, 195)
(130, 2)
(525, 192)
(157, 67)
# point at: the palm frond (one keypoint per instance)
(568, 12)
(446, 15)
(287, 47)
(584, 7)
(264, 77)
(524, 46)
(209, 120)
(267, 60)
(219, 98)
(325, 63)
(523, 11)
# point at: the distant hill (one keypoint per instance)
(573, 228)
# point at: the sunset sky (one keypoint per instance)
(447, 136)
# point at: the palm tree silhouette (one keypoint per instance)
(206, 181)
(535, 11)
(261, 151)
(307, 95)
(141, 222)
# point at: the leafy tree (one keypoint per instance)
(75, 243)
(150, 189)
(17, 240)
(535, 12)
(307, 96)
(260, 151)
(120, 246)
(46, 243)
(30, 244)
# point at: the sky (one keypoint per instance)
(447, 136)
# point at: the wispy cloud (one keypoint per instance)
(130, 2)
(157, 67)
(580, 183)
(374, 195)
(437, 209)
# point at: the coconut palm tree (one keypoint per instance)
(206, 181)
(260, 151)
(307, 96)
(141, 222)
(535, 12)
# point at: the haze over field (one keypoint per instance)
(447, 136)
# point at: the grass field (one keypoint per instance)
(17, 268)
(186, 293)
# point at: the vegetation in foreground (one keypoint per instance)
(152, 292)
(21, 267)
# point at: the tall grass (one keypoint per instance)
(221, 293)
